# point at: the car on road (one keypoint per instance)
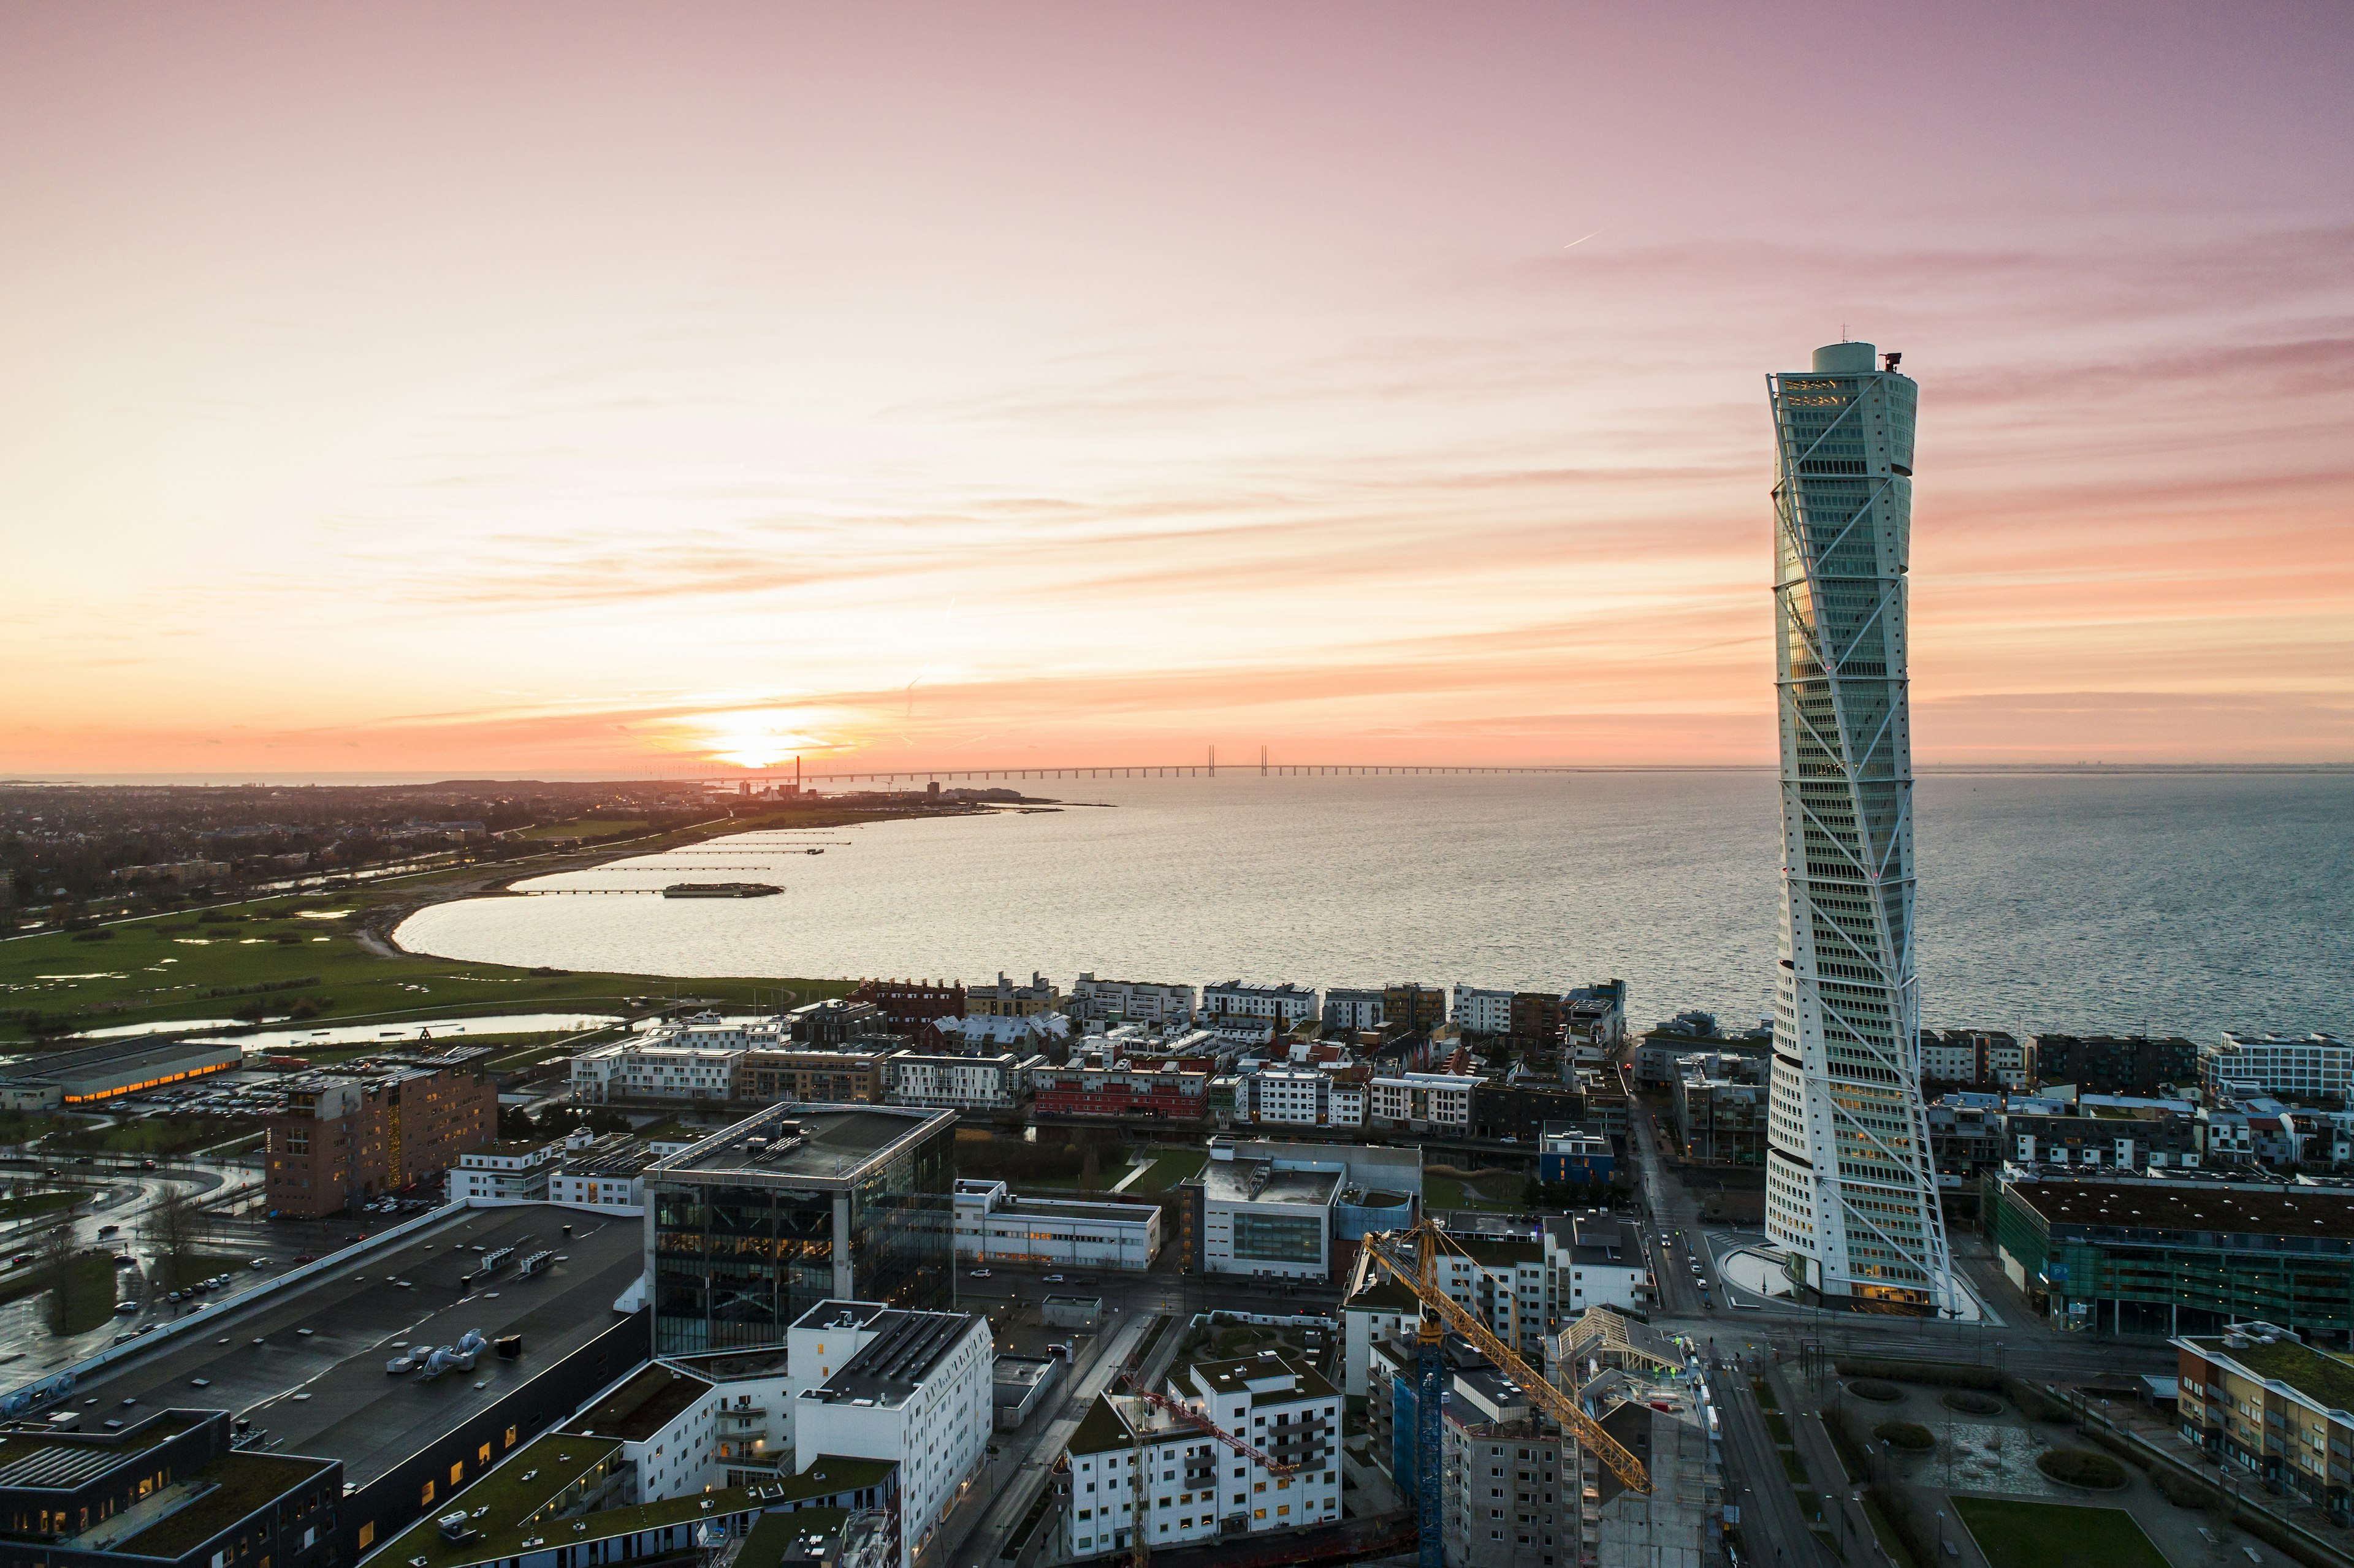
(200, 1382)
(302, 1258)
(980, 1274)
(126, 1308)
(1054, 1279)
(261, 1262)
(109, 1230)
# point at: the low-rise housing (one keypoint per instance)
(609, 1173)
(1165, 1094)
(1130, 1001)
(905, 1006)
(661, 1065)
(2303, 1066)
(1351, 1008)
(835, 1077)
(2111, 1064)
(2259, 1399)
(1482, 1011)
(1010, 998)
(1283, 1005)
(516, 1170)
(1422, 1101)
(994, 1083)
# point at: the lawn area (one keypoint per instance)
(180, 967)
(215, 962)
(1170, 1166)
(2056, 1535)
(89, 1296)
(153, 1136)
(1496, 1192)
(40, 1202)
(588, 828)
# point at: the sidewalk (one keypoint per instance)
(1842, 1499)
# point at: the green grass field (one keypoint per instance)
(2056, 1535)
(1499, 1193)
(587, 828)
(174, 967)
(154, 1136)
(1170, 1166)
(41, 1202)
(299, 954)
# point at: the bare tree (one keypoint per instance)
(173, 1232)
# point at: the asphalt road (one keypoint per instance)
(1773, 1527)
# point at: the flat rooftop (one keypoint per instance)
(641, 1406)
(120, 1058)
(889, 1367)
(2321, 1213)
(799, 1144)
(1238, 1181)
(1064, 1209)
(508, 1501)
(2326, 1380)
(326, 1392)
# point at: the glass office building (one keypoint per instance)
(750, 1228)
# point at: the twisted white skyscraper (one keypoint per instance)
(1851, 1193)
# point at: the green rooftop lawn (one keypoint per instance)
(2325, 1377)
(243, 1483)
(2056, 1535)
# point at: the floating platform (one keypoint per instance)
(721, 890)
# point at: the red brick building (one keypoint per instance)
(1172, 1093)
(354, 1133)
(907, 1005)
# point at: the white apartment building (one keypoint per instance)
(1300, 1096)
(1349, 1008)
(1421, 1100)
(917, 1392)
(998, 1083)
(992, 1226)
(609, 1173)
(1482, 1011)
(1194, 1489)
(1130, 1001)
(1348, 1103)
(1948, 1060)
(2304, 1065)
(510, 1169)
(1524, 1288)
(1285, 1004)
(659, 1066)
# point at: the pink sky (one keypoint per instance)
(560, 388)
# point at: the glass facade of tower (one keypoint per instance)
(1850, 1190)
(735, 1262)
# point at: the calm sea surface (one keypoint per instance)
(2186, 903)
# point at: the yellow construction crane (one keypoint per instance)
(1410, 1257)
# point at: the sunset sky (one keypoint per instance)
(612, 388)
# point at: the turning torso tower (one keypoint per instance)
(1851, 1193)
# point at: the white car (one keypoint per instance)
(980, 1274)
